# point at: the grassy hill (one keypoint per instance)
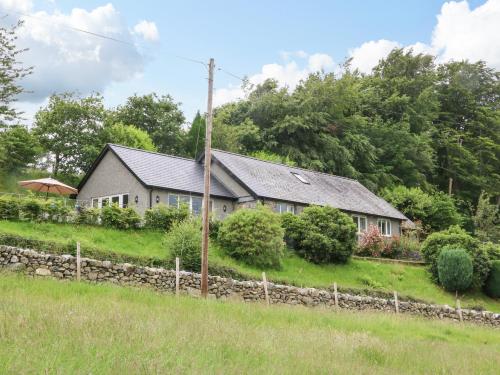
(412, 281)
(49, 326)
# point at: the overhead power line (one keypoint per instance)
(107, 37)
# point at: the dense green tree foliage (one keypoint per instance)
(69, 129)
(128, 135)
(159, 116)
(18, 148)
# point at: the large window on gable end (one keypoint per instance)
(196, 205)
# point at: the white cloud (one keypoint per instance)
(366, 56)
(288, 74)
(460, 33)
(16, 5)
(68, 60)
(147, 30)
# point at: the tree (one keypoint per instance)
(18, 148)
(195, 138)
(436, 210)
(487, 219)
(11, 71)
(69, 130)
(159, 116)
(128, 135)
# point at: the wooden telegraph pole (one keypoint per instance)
(206, 194)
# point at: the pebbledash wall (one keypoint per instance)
(64, 267)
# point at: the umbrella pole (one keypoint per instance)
(47, 195)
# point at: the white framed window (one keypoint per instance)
(384, 227)
(282, 207)
(361, 223)
(120, 199)
(194, 202)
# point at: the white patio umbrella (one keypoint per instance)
(48, 185)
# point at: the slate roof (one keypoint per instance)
(276, 181)
(162, 171)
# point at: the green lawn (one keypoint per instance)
(49, 327)
(412, 281)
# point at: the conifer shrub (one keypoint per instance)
(458, 238)
(254, 236)
(454, 269)
(492, 284)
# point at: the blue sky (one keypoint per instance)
(257, 39)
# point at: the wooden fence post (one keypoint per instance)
(396, 302)
(459, 310)
(177, 276)
(335, 294)
(78, 262)
(265, 288)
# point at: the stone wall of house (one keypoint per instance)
(64, 267)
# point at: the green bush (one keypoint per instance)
(88, 216)
(492, 284)
(31, 208)
(492, 249)
(55, 210)
(459, 238)
(184, 241)
(291, 224)
(324, 235)
(120, 218)
(9, 207)
(254, 236)
(454, 269)
(130, 218)
(214, 226)
(162, 217)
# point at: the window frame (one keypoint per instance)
(301, 178)
(288, 207)
(109, 200)
(179, 200)
(357, 221)
(388, 227)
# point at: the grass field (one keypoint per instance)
(49, 327)
(408, 280)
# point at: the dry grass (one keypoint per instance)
(48, 326)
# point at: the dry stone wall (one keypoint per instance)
(64, 267)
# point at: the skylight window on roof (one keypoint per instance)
(300, 178)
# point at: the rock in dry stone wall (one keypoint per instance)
(64, 267)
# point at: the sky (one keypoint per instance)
(256, 39)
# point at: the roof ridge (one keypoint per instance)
(284, 165)
(151, 152)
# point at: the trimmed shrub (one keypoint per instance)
(130, 218)
(492, 284)
(88, 216)
(55, 210)
(324, 235)
(254, 236)
(291, 224)
(120, 218)
(162, 217)
(184, 241)
(458, 238)
(9, 207)
(454, 269)
(31, 208)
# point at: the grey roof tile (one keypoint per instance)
(276, 181)
(167, 172)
